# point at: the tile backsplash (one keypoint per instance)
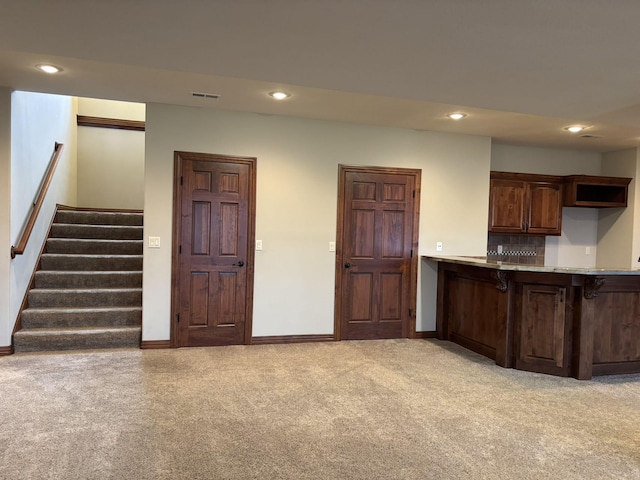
(520, 249)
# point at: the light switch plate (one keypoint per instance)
(154, 242)
(258, 244)
(438, 246)
(332, 246)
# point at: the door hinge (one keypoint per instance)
(177, 317)
(180, 249)
(411, 253)
(181, 180)
(411, 312)
(414, 194)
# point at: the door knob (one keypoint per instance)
(239, 264)
(347, 265)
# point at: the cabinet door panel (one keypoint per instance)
(545, 208)
(543, 330)
(506, 206)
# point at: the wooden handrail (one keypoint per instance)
(37, 204)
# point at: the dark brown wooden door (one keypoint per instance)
(507, 206)
(543, 330)
(213, 291)
(376, 269)
(545, 208)
(518, 206)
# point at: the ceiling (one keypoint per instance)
(522, 70)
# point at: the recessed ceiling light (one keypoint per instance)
(456, 116)
(575, 128)
(46, 68)
(279, 95)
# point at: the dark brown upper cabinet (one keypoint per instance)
(524, 203)
(595, 191)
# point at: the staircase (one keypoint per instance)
(87, 291)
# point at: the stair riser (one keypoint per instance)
(94, 247)
(56, 279)
(91, 231)
(23, 342)
(79, 263)
(99, 218)
(39, 319)
(88, 289)
(97, 298)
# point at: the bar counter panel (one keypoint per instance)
(559, 321)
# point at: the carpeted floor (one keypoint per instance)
(394, 409)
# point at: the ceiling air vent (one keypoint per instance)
(212, 96)
(586, 135)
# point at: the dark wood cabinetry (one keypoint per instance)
(521, 203)
(545, 208)
(532, 204)
(566, 324)
(541, 329)
(506, 206)
(595, 191)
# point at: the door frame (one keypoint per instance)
(178, 156)
(413, 274)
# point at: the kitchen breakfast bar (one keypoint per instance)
(577, 322)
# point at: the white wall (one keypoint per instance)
(579, 225)
(37, 122)
(616, 225)
(95, 107)
(578, 244)
(5, 216)
(110, 161)
(634, 200)
(549, 161)
(297, 182)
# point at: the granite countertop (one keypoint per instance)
(484, 263)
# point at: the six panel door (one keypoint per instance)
(214, 251)
(376, 246)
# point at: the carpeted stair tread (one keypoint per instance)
(92, 297)
(98, 217)
(46, 339)
(94, 246)
(87, 290)
(115, 232)
(59, 317)
(85, 262)
(87, 279)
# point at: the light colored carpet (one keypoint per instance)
(391, 409)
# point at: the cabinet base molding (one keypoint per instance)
(616, 368)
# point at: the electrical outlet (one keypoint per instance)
(438, 246)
